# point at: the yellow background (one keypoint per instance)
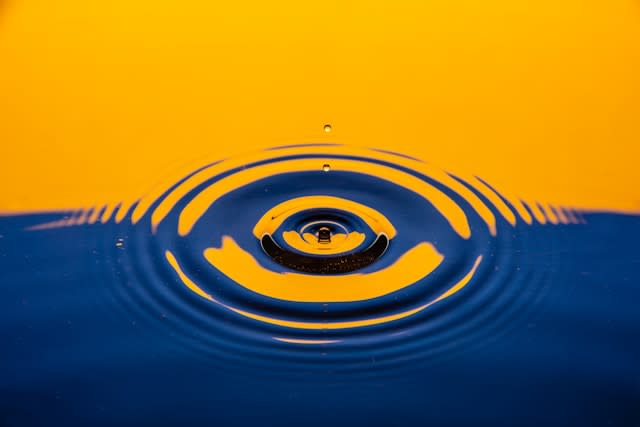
(98, 100)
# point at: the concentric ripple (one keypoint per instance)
(350, 249)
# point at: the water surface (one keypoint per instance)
(320, 285)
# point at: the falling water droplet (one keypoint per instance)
(326, 167)
(327, 128)
(119, 243)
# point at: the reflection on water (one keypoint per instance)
(328, 267)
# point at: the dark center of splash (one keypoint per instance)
(325, 265)
(316, 239)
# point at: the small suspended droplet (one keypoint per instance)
(326, 167)
(327, 128)
(119, 243)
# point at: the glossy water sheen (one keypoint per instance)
(482, 309)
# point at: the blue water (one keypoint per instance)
(97, 329)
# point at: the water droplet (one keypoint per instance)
(327, 128)
(324, 235)
(326, 167)
(119, 243)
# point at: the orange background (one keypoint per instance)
(98, 100)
